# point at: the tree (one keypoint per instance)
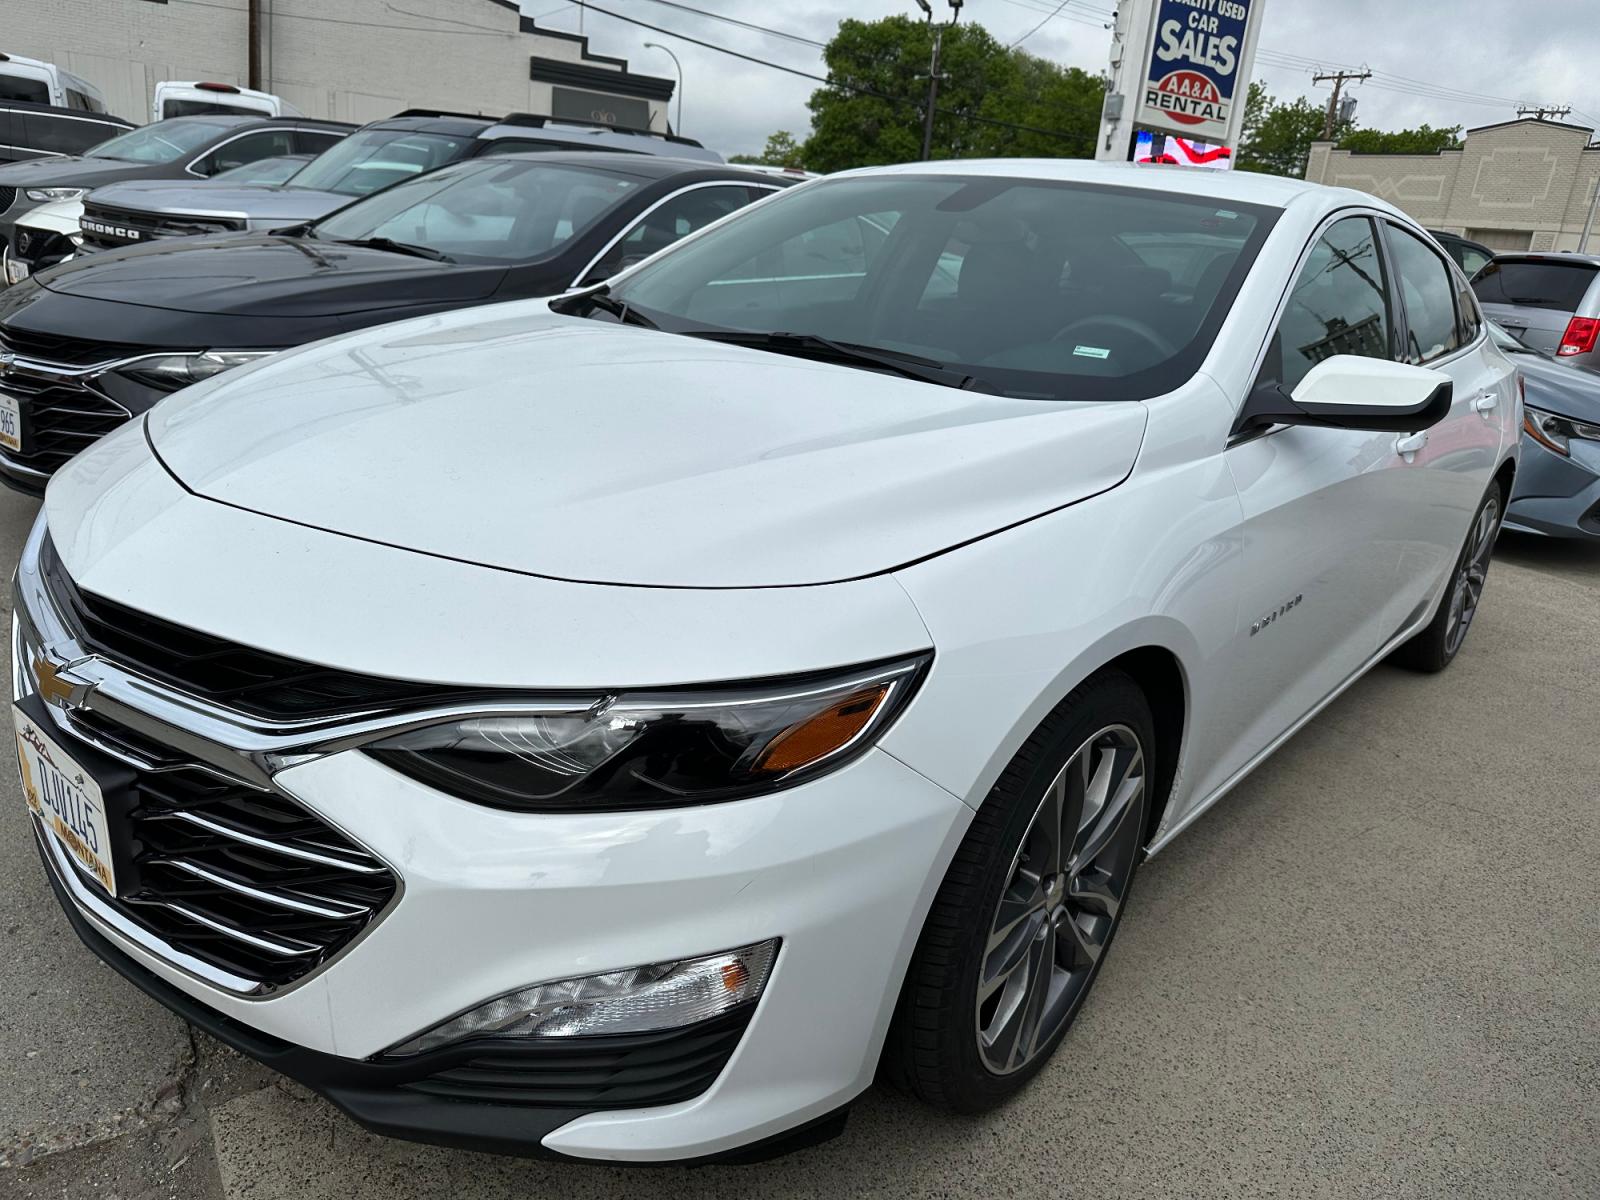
(1276, 138)
(781, 151)
(1424, 139)
(871, 112)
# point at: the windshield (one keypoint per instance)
(484, 210)
(1032, 288)
(162, 142)
(374, 158)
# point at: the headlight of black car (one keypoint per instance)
(646, 750)
(173, 371)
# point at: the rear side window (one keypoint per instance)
(17, 87)
(310, 141)
(1534, 283)
(52, 134)
(1428, 289)
(1339, 305)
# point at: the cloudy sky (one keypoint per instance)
(1444, 62)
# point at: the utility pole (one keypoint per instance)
(1540, 112)
(1339, 79)
(933, 71)
(253, 32)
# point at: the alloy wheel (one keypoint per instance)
(1467, 588)
(1061, 899)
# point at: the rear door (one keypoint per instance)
(39, 131)
(1535, 296)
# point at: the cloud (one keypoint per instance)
(1498, 53)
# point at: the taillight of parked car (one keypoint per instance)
(1580, 336)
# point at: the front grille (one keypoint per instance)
(589, 1073)
(143, 226)
(8, 197)
(61, 350)
(241, 878)
(60, 417)
(233, 676)
(39, 248)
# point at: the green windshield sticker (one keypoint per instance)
(1091, 352)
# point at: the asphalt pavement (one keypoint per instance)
(1373, 970)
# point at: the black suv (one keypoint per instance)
(29, 130)
(179, 148)
(372, 158)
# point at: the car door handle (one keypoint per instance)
(1486, 402)
(1408, 446)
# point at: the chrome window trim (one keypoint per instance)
(206, 153)
(683, 191)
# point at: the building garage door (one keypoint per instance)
(1501, 240)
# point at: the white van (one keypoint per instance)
(35, 82)
(175, 98)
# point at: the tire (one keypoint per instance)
(945, 1046)
(1436, 647)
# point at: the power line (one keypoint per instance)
(1048, 17)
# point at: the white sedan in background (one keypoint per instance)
(612, 726)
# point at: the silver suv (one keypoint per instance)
(1550, 301)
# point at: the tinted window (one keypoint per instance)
(16, 87)
(1428, 290)
(1534, 283)
(673, 219)
(309, 141)
(162, 142)
(202, 108)
(1029, 286)
(1472, 260)
(486, 210)
(60, 134)
(370, 159)
(76, 99)
(1339, 305)
(269, 143)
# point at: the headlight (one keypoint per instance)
(1556, 432)
(45, 195)
(174, 371)
(657, 750)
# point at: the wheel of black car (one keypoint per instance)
(1027, 911)
(1436, 646)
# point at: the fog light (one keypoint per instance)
(638, 1000)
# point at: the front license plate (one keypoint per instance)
(16, 272)
(66, 798)
(10, 422)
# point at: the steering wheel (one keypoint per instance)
(1124, 324)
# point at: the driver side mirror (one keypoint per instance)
(1349, 391)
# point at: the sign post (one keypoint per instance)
(1180, 67)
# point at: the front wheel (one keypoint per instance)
(1027, 911)
(1436, 646)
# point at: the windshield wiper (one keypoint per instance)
(811, 345)
(624, 312)
(383, 243)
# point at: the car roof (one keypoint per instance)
(645, 166)
(436, 123)
(1244, 187)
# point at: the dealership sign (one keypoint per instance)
(1197, 74)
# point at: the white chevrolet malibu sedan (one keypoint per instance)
(617, 727)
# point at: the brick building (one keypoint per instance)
(1518, 185)
(356, 60)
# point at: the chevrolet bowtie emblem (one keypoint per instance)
(56, 688)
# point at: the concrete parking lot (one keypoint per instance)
(1373, 970)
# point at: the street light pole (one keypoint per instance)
(679, 66)
(933, 71)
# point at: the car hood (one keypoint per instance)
(263, 204)
(1564, 388)
(566, 448)
(266, 276)
(71, 172)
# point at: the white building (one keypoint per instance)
(353, 60)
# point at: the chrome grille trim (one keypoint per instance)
(332, 909)
(283, 949)
(286, 849)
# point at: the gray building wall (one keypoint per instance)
(1520, 185)
(356, 60)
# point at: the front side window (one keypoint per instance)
(24, 88)
(674, 218)
(1027, 287)
(1428, 290)
(269, 143)
(1472, 260)
(163, 142)
(371, 159)
(484, 210)
(1339, 305)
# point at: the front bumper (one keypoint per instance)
(1554, 495)
(841, 870)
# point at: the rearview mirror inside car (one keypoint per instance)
(1348, 391)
